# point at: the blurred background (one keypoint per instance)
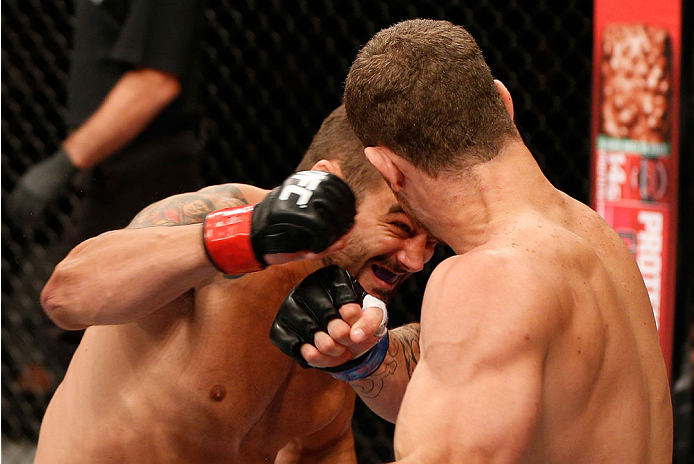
(271, 71)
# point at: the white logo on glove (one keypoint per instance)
(308, 181)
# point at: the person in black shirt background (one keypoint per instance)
(133, 118)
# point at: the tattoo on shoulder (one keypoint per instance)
(188, 208)
(403, 352)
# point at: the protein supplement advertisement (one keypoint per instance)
(635, 134)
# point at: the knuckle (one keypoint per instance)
(350, 311)
(324, 343)
(340, 332)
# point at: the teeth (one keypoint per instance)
(385, 275)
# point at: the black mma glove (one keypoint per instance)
(309, 307)
(40, 185)
(309, 211)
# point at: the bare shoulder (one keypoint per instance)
(191, 207)
(500, 292)
(243, 192)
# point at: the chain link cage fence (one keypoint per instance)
(273, 71)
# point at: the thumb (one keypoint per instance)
(372, 322)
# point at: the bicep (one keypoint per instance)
(191, 208)
(476, 393)
(479, 410)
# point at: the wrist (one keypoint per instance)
(363, 366)
(71, 150)
(227, 242)
(63, 163)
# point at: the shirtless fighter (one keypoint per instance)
(538, 342)
(175, 364)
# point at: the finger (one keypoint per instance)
(282, 258)
(350, 313)
(338, 245)
(339, 331)
(317, 359)
(326, 345)
(368, 325)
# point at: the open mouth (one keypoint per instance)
(384, 274)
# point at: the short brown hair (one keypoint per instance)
(423, 89)
(335, 140)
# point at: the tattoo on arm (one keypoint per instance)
(403, 353)
(188, 208)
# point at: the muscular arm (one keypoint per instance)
(476, 394)
(131, 105)
(124, 275)
(383, 390)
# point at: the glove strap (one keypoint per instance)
(368, 363)
(226, 237)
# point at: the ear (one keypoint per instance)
(332, 166)
(386, 162)
(505, 96)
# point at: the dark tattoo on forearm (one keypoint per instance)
(188, 208)
(403, 353)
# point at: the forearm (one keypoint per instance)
(383, 390)
(122, 276)
(131, 105)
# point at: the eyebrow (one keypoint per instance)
(396, 209)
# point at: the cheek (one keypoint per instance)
(385, 245)
(429, 253)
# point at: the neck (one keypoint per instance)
(466, 211)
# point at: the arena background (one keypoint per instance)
(273, 71)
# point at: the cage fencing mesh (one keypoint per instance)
(273, 71)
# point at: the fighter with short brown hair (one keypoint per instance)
(175, 364)
(538, 341)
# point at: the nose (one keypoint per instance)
(416, 252)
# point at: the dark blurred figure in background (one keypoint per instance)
(134, 130)
(132, 112)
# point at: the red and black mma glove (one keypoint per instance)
(309, 211)
(310, 306)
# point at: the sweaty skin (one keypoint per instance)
(176, 364)
(555, 358)
(538, 341)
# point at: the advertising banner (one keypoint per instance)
(635, 134)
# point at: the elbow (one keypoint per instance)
(154, 86)
(170, 88)
(166, 87)
(57, 305)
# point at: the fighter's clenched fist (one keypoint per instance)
(308, 212)
(313, 304)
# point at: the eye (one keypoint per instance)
(402, 226)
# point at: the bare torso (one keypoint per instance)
(603, 394)
(196, 381)
(605, 390)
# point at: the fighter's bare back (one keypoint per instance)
(590, 337)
